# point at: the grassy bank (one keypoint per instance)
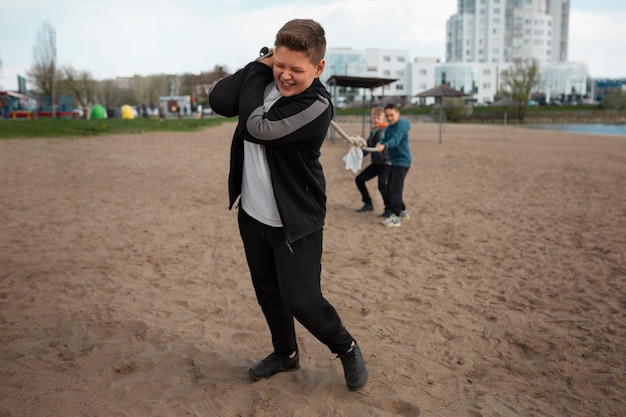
(495, 114)
(49, 128)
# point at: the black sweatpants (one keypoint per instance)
(396, 189)
(287, 286)
(371, 171)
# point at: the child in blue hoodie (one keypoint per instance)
(396, 142)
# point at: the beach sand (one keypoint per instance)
(124, 289)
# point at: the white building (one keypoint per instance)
(477, 32)
(484, 38)
(478, 80)
(487, 32)
(421, 77)
(508, 30)
(559, 10)
(378, 63)
(560, 79)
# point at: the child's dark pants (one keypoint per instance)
(287, 286)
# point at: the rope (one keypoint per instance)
(355, 141)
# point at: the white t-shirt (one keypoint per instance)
(257, 193)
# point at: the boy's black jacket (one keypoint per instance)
(292, 131)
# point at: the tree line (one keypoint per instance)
(49, 80)
(517, 82)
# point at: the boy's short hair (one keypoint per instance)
(377, 110)
(391, 106)
(303, 35)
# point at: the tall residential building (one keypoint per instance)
(507, 30)
(484, 38)
(559, 10)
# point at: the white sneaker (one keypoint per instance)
(392, 221)
(404, 214)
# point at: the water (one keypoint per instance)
(595, 128)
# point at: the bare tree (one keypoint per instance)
(518, 81)
(43, 71)
(157, 86)
(80, 84)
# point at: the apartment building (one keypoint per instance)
(508, 30)
(483, 38)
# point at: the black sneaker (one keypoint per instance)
(366, 207)
(274, 364)
(354, 368)
(385, 214)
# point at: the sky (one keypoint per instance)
(122, 38)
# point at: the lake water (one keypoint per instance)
(595, 128)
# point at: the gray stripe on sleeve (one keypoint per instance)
(264, 129)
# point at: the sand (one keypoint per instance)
(124, 289)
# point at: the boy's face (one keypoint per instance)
(293, 72)
(392, 115)
(377, 119)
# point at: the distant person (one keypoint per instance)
(380, 166)
(275, 172)
(396, 142)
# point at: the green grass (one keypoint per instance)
(49, 128)
(425, 110)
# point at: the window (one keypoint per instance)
(400, 59)
(423, 72)
(487, 71)
(399, 87)
(386, 73)
(386, 58)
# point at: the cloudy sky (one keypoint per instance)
(126, 37)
